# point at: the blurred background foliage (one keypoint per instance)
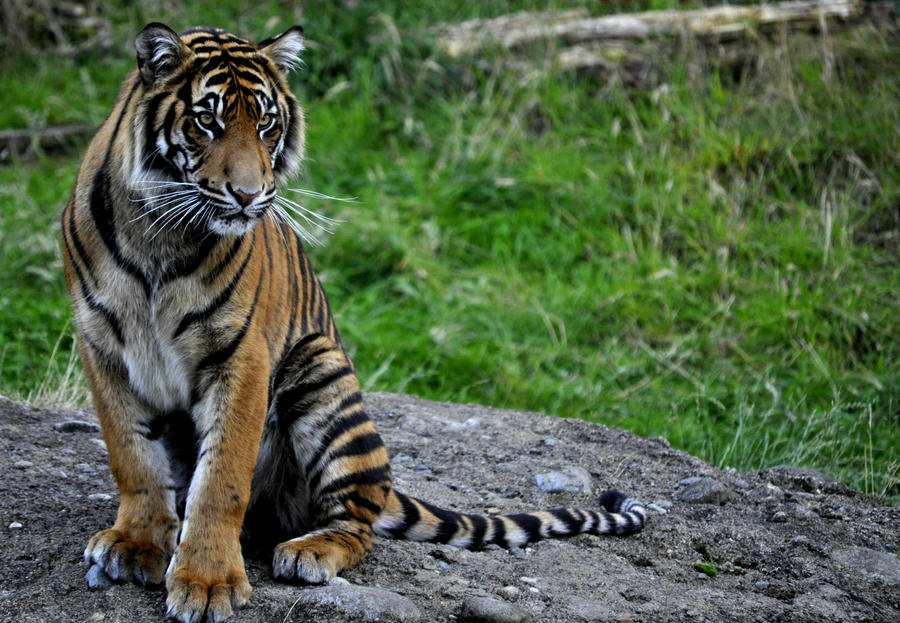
(709, 255)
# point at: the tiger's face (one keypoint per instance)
(218, 126)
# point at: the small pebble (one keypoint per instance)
(779, 517)
(15, 525)
(528, 580)
(99, 442)
(761, 586)
(487, 609)
(23, 464)
(703, 490)
(509, 592)
(338, 580)
(569, 480)
(100, 497)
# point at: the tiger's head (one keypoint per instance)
(216, 126)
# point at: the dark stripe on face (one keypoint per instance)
(217, 302)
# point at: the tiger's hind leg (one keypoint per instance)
(341, 476)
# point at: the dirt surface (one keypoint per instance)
(785, 544)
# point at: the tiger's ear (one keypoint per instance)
(159, 52)
(284, 49)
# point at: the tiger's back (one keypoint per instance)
(215, 364)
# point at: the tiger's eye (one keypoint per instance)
(265, 121)
(206, 118)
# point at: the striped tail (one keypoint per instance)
(405, 517)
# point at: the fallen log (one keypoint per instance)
(519, 30)
(24, 142)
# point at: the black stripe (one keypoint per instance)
(358, 446)
(499, 534)
(572, 524)
(411, 516)
(449, 522)
(217, 302)
(363, 502)
(337, 428)
(294, 360)
(371, 476)
(104, 222)
(301, 395)
(222, 355)
(217, 270)
(93, 303)
(187, 265)
(530, 524)
(76, 240)
(479, 529)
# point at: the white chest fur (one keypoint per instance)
(160, 365)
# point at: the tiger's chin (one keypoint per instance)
(237, 224)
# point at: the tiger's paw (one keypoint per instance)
(312, 559)
(194, 595)
(121, 558)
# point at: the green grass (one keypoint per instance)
(713, 260)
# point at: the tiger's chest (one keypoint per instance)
(145, 340)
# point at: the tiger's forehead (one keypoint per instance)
(203, 41)
(231, 74)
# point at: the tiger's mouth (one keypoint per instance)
(232, 221)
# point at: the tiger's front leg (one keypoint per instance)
(206, 575)
(140, 542)
(317, 406)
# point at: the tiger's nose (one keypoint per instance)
(244, 197)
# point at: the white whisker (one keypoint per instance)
(318, 195)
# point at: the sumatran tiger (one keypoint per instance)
(226, 399)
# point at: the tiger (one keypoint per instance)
(231, 412)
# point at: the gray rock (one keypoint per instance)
(569, 479)
(76, 426)
(23, 464)
(801, 479)
(362, 602)
(869, 562)
(703, 490)
(489, 610)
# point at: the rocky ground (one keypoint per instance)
(782, 544)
